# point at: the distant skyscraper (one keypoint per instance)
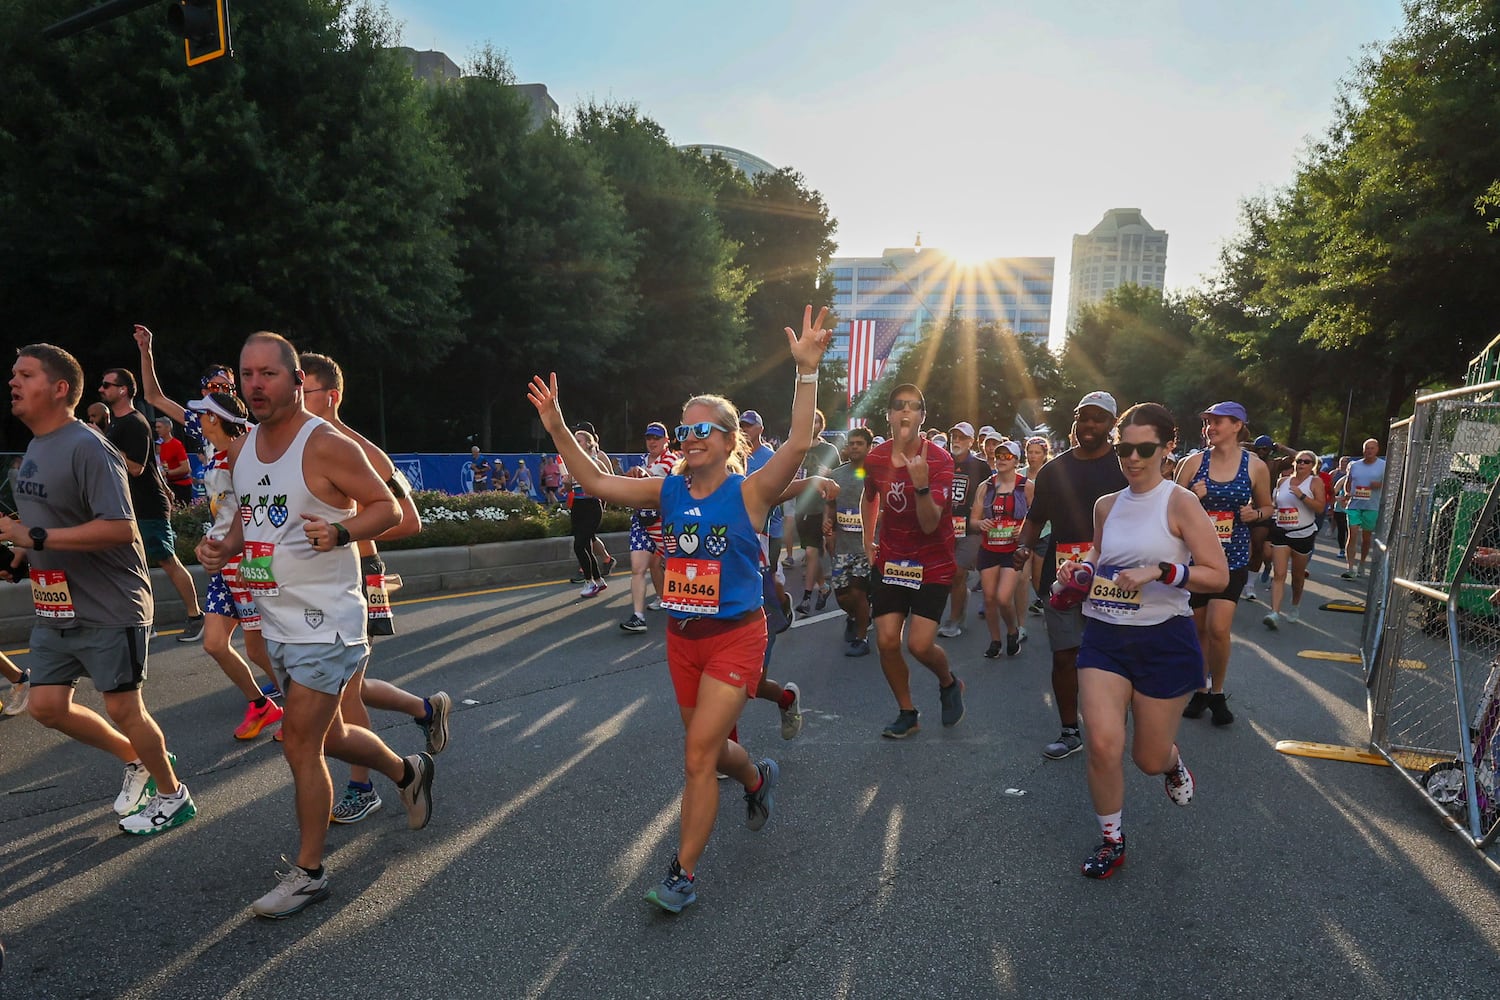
(1122, 249)
(906, 287)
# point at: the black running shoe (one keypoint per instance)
(1196, 705)
(1108, 856)
(993, 653)
(1013, 644)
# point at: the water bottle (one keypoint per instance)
(1069, 592)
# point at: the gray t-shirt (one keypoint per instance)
(1363, 477)
(848, 532)
(70, 477)
(821, 459)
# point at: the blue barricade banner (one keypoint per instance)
(455, 473)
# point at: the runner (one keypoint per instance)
(646, 547)
(1140, 652)
(90, 586)
(714, 588)
(1000, 506)
(1299, 498)
(843, 525)
(908, 482)
(322, 395)
(821, 459)
(1038, 454)
(1063, 494)
(969, 471)
(221, 418)
(1234, 487)
(1366, 481)
(587, 511)
(316, 493)
(1278, 459)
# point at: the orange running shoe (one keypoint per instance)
(257, 719)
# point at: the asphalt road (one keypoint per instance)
(890, 869)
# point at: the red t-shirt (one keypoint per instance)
(174, 453)
(901, 536)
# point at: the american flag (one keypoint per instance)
(870, 343)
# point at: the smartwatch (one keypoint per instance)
(39, 538)
(924, 491)
(342, 533)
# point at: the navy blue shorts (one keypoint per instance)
(1160, 661)
(989, 560)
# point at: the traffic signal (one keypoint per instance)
(204, 27)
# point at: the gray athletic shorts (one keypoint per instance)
(113, 658)
(966, 551)
(321, 666)
(1064, 628)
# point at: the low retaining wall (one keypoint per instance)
(423, 571)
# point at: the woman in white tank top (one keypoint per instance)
(1140, 651)
(1298, 498)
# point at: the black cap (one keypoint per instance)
(584, 425)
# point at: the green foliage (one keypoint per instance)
(967, 371)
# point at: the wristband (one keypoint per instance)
(924, 491)
(811, 378)
(1173, 574)
(342, 533)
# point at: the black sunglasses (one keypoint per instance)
(701, 430)
(906, 404)
(1145, 449)
(1304, 461)
(110, 385)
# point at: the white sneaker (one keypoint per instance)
(19, 693)
(791, 718)
(161, 814)
(1292, 615)
(655, 604)
(295, 890)
(1249, 592)
(950, 630)
(137, 790)
(1271, 620)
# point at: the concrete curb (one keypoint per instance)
(423, 571)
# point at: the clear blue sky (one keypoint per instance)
(994, 128)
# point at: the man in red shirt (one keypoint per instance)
(173, 456)
(908, 485)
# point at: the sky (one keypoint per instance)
(993, 128)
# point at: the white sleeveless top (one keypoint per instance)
(304, 596)
(1293, 516)
(1136, 534)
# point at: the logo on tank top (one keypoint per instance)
(895, 497)
(313, 617)
(688, 540)
(717, 542)
(276, 513)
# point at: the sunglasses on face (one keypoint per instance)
(915, 405)
(1145, 449)
(1304, 461)
(220, 387)
(109, 385)
(701, 430)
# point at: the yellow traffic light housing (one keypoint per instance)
(204, 27)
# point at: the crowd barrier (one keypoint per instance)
(454, 473)
(1431, 642)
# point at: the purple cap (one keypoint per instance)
(752, 418)
(1227, 409)
(656, 430)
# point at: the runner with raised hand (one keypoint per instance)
(716, 641)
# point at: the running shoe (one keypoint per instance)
(356, 804)
(257, 719)
(1108, 856)
(950, 630)
(952, 698)
(674, 892)
(137, 790)
(822, 600)
(593, 589)
(609, 565)
(435, 726)
(1222, 716)
(791, 716)
(1249, 592)
(1013, 644)
(1292, 614)
(295, 891)
(905, 724)
(635, 623)
(20, 693)
(1265, 577)
(759, 802)
(417, 796)
(1359, 572)
(804, 607)
(655, 604)
(993, 652)
(1271, 620)
(578, 578)
(1069, 742)
(161, 814)
(858, 647)
(849, 629)
(1180, 784)
(1347, 574)
(1036, 606)
(1196, 705)
(192, 631)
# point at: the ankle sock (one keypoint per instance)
(362, 786)
(314, 873)
(785, 701)
(427, 704)
(260, 702)
(408, 774)
(1111, 827)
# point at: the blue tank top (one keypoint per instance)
(1228, 498)
(713, 552)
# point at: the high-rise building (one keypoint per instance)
(1122, 249)
(746, 163)
(906, 287)
(432, 67)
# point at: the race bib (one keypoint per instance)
(1286, 517)
(1362, 492)
(1223, 524)
(1109, 598)
(51, 595)
(960, 526)
(850, 520)
(903, 573)
(1002, 537)
(377, 597)
(692, 586)
(1073, 550)
(255, 569)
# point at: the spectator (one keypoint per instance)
(481, 470)
(99, 417)
(551, 478)
(521, 481)
(499, 477)
(173, 456)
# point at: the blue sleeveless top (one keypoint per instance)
(1229, 498)
(713, 552)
